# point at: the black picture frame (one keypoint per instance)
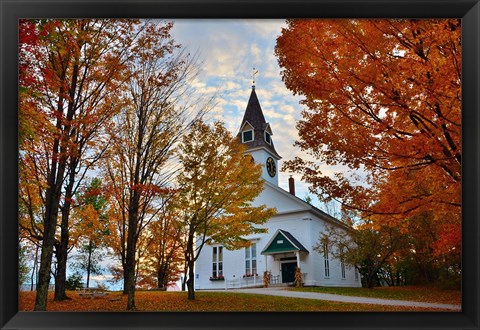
(11, 11)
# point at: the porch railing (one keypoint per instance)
(254, 281)
(243, 282)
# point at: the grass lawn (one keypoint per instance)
(413, 293)
(206, 301)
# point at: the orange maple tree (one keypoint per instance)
(383, 102)
(166, 255)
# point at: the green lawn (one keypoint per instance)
(413, 293)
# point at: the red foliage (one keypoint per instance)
(383, 102)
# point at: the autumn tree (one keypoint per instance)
(383, 102)
(369, 249)
(91, 229)
(78, 66)
(102, 57)
(33, 124)
(437, 256)
(159, 107)
(144, 272)
(165, 249)
(29, 83)
(217, 186)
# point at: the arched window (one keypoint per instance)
(217, 264)
(325, 260)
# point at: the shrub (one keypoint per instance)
(74, 282)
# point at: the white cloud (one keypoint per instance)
(230, 49)
(269, 28)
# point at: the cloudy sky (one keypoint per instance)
(230, 49)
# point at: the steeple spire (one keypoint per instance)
(254, 120)
(253, 112)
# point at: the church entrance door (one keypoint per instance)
(288, 272)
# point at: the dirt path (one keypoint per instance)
(283, 292)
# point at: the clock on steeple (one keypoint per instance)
(271, 167)
(256, 134)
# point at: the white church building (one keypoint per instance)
(291, 234)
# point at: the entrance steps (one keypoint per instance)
(278, 285)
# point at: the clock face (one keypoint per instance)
(271, 168)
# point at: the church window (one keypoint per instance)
(325, 260)
(217, 264)
(247, 136)
(342, 263)
(268, 138)
(356, 274)
(251, 260)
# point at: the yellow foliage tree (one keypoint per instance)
(216, 189)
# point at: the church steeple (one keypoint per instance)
(254, 120)
(256, 134)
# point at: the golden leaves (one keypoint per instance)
(218, 184)
(228, 301)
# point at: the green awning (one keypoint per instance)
(283, 242)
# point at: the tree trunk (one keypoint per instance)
(184, 282)
(129, 271)
(61, 277)
(185, 275)
(371, 276)
(124, 267)
(61, 254)
(191, 280)
(162, 276)
(89, 262)
(370, 281)
(54, 191)
(60, 274)
(50, 224)
(129, 279)
(34, 270)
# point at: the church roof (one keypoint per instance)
(255, 118)
(307, 207)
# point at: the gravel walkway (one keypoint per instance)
(349, 299)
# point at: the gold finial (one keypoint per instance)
(253, 77)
